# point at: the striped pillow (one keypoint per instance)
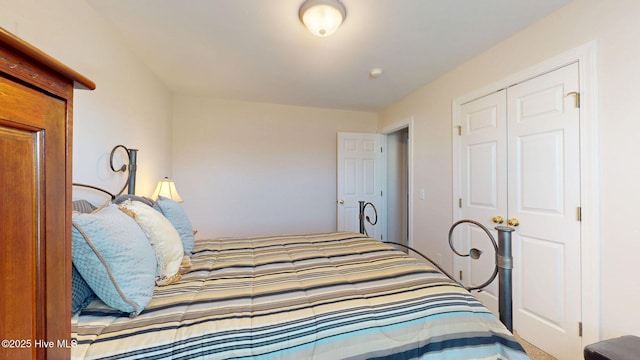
(82, 206)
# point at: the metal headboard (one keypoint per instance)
(131, 166)
(96, 188)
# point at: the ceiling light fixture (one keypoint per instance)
(322, 17)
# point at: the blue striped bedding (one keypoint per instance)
(317, 296)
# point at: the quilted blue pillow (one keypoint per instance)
(81, 293)
(178, 218)
(115, 258)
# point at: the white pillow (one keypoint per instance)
(163, 237)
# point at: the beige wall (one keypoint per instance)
(248, 169)
(616, 30)
(129, 106)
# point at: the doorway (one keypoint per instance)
(398, 186)
(350, 185)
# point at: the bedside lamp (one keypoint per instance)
(166, 188)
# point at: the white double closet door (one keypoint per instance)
(519, 160)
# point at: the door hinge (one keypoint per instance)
(460, 275)
(380, 193)
(579, 213)
(460, 202)
(580, 329)
(380, 148)
(577, 98)
(459, 130)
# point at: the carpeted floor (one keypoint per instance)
(533, 352)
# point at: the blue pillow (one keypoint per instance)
(81, 293)
(115, 258)
(178, 218)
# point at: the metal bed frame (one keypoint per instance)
(502, 248)
(503, 260)
(131, 166)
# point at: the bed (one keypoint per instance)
(324, 296)
(339, 295)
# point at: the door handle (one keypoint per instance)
(577, 95)
(513, 222)
(497, 219)
(341, 202)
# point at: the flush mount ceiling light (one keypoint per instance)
(322, 17)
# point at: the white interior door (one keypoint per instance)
(359, 179)
(484, 172)
(544, 195)
(531, 175)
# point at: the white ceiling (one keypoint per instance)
(258, 50)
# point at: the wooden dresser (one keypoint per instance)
(36, 98)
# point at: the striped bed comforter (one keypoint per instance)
(319, 296)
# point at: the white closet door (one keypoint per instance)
(520, 160)
(484, 179)
(544, 195)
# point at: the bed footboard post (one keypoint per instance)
(361, 217)
(505, 265)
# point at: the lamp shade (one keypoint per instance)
(166, 188)
(322, 17)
